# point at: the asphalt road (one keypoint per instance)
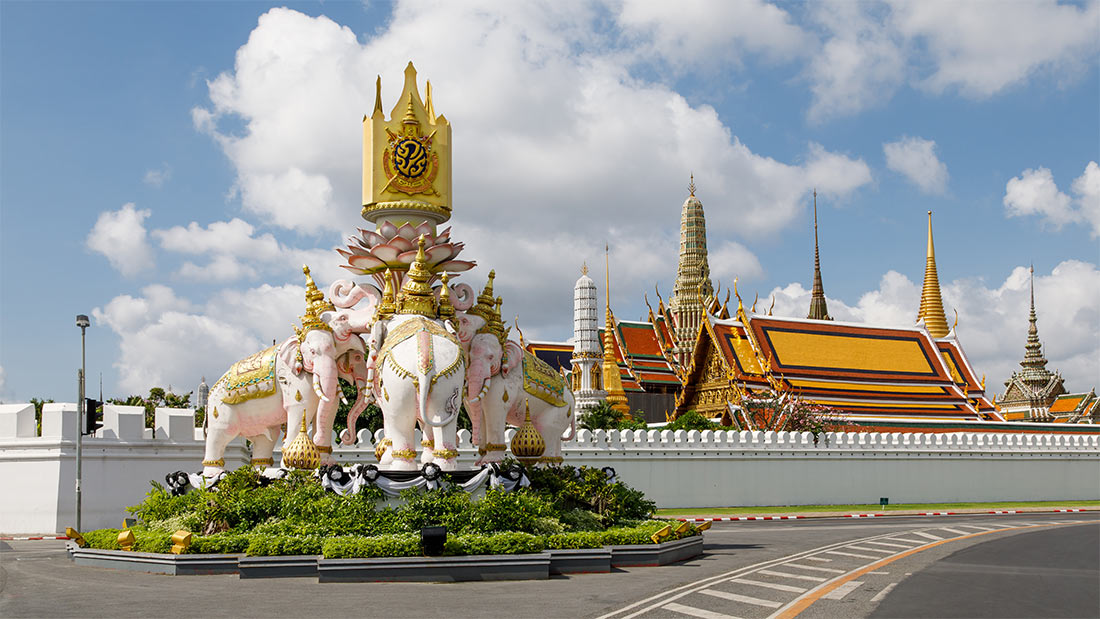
(889, 567)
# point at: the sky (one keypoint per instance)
(166, 168)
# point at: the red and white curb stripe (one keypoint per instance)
(862, 515)
(1010, 511)
(24, 539)
(735, 518)
(1069, 510)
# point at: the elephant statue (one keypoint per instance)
(502, 377)
(281, 385)
(415, 364)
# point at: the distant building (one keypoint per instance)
(203, 393)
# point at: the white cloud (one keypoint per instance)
(992, 320)
(861, 63)
(696, 32)
(978, 49)
(730, 259)
(982, 48)
(165, 340)
(915, 158)
(120, 236)
(158, 176)
(1034, 192)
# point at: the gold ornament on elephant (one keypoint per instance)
(488, 309)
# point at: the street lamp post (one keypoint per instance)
(82, 322)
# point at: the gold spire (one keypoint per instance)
(316, 304)
(612, 381)
(931, 304)
(691, 185)
(819, 310)
(416, 295)
(377, 113)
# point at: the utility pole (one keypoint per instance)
(82, 322)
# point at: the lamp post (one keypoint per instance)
(82, 322)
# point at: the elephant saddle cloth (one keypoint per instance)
(251, 377)
(542, 381)
(423, 330)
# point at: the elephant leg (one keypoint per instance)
(445, 453)
(402, 450)
(263, 446)
(427, 443)
(214, 456)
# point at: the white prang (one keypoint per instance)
(587, 352)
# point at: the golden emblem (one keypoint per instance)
(408, 161)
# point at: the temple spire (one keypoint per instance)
(612, 381)
(931, 304)
(818, 309)
(693, 285)
(1033, 355)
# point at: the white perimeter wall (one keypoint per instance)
(675, 469)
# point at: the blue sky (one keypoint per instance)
(167, 167)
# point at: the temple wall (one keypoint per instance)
(675, 469)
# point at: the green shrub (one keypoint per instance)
(499, 510)
(275, 545)
(603, 417)
(220, 543)
(580, 520)
(347, 547)
(103, 539)
(450, 507)
(567, 488)
(576, 539)
(511, 543)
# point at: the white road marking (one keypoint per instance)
(734, 597)
(983, 528)
(814, 568)
(904, 546)
(879, 573)
(931, 536)
(696, 612)
(842, 590)
(769, 585)
(881, 594)
(790, 575)
(955, 531)
(914, 542)
(851, 554)
(866, 549)
(821, 559)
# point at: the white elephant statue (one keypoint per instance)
(502, 378)
(281, 385)
(414, 362)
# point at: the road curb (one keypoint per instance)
(883, 515)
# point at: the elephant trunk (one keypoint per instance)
(362, 399)
(325, 380)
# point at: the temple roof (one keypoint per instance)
(858, 369)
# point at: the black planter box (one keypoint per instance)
(290, 566)
(436, 569)
(649, 555)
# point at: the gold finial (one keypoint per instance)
(388, 305)
(488, 309)
(446, 310)
(691, 185)
(416, 295)
(377, 113)
(584, 269)
(956, 319)
(315, 306)
(772, 306)
(430, 107)
(740, 306)
(931, 303)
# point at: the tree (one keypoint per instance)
(38, 413)
(603, 417)
(158, 398)
(692, 420)
(769, 410)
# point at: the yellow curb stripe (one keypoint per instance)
(810, 598)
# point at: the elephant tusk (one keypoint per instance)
(484, 390)
(317, 388)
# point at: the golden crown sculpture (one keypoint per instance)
(406, 159)
(316, 304)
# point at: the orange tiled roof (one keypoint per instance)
(1067, 403)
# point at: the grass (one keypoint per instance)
(847, 509)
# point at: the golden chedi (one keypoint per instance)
(528, 445)
(302, 453)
